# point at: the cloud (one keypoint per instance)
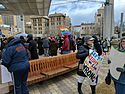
(84, 11)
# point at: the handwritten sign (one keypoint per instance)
(92, 64)
(117, 60)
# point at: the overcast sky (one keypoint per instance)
(84, 11)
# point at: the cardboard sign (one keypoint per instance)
(92, 64)
(117, 60)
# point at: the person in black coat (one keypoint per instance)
(32, 47)
(40, 46)
(82, 53)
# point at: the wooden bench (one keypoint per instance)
(53, 67)
(34, 75)
(71, 62)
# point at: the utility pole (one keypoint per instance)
(108, 29)
(121, 25)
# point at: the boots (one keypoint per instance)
(93, 89)
(79, 88)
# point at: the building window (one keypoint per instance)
(59, 23)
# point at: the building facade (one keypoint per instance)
(58, 21)
(8, 20)
(87, 29)
(99, 22)
(40, 26)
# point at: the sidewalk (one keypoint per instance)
(67, 84)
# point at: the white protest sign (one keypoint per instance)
(92, 64)
(117, 60)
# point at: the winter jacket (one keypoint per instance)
(66, 44)
(15, 56)
(45, 43)
(53, 48)
(33, 49)
(82, 53)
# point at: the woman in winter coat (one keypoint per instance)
(15, 58)
(82, 53)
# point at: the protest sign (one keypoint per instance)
(117, 60)
(92, 64)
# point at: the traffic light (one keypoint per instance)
(21, 18)
(107, 2)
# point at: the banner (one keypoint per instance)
(92, 64)
(117, 60)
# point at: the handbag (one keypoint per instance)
(108, 78)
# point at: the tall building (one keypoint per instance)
(40, 26)
(58, 21)
(8, 20)
(28, 25)
(99, 21)
(87, 29)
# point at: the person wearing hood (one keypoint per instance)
(82, 53)
(15, 58)
(66, 45)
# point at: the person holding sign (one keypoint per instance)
(83, 54)
(117, 67)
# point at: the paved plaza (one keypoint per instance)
(67, 84)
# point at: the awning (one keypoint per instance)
(25, 7)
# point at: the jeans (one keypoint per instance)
(46, 51)
(20, 81)
(65, 52)
(119, 88)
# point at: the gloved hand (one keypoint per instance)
(120, 69)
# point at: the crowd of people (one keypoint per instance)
(16, 53)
